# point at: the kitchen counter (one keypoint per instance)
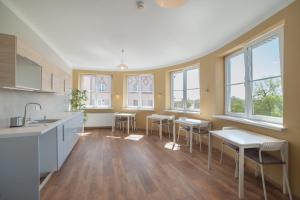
(37, 129)
(28, 158)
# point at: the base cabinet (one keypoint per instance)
(23, 159)
(68, 134)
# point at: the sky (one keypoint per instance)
(265, 62)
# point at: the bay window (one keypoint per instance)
(98, 89)
(254, 79)
(140, 93)
(185, 90)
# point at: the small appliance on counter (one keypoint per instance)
(16, 122)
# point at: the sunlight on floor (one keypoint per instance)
(113, 137)
(172, 146)
(85, 134)
(134, 137)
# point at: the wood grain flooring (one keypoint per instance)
(110, 167)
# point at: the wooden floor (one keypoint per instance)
(106, 166)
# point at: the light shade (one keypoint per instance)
(170, 3)
(123, 66)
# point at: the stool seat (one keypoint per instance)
(267, 159)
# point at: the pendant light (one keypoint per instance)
(170, 3)
(122, 66)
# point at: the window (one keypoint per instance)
(140, 91)
(254, 80)
(98, 89)
(185, 93)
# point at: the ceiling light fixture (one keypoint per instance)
(122, 66)
(140, 5)
(170, 3)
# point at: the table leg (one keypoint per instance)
(241, 173)
(191, 139)
(174, 132)
(113, 124)
(128, 125)
(286, 159)
(210, 144)
(147, 125)
(160, 129)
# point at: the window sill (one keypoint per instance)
(184, 112)
(140, 109)
(97, 108)
(267, 125)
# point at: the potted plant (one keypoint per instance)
(78, 99)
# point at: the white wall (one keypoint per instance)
(11, 24)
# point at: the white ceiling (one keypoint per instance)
(89, 34)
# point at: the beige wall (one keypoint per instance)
(212, 87)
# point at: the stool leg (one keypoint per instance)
(256, 170)
(169, 131)
(287, 182)
(179, 129)
(222, 151)
(236, 171)
(200, 142)
(263, 181)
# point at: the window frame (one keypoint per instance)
(111, 85)
(140, 92)
(184, 71)
(248, 80)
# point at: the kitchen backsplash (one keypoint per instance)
(12, 104)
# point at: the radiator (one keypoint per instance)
(98, 120)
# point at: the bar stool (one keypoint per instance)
(199, 131)
(232, 147)
(165, 123)
(261, 158)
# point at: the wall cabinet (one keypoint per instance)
(25, 69)
(17, 71)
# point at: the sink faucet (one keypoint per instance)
(25, 112)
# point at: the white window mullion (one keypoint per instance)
(184, 89)
(227, 89)
(248, 82)
(139, 92)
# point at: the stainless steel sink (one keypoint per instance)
(43, 121)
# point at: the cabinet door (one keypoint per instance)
(48, 151)
(67, 83)
(67, 139)
(28, 73)
(47, 78)
(60, 146)
(7, 60)
(58, 79)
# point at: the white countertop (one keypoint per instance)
(37, 129)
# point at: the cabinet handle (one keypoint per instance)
(52, 81)
(63, 133)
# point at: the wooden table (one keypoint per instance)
(128, 115)
(242, 139)
(192, 123)
(161, 118)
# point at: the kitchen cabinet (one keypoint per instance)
(17, 71)
(25, 157)
(48, 152)
(67, 136)
(60, 146)
(22, 68)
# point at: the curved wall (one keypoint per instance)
(212, 78)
